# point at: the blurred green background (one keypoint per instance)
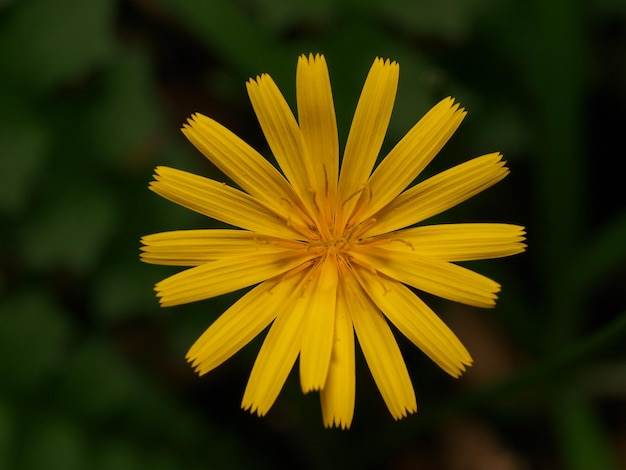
(92, 96)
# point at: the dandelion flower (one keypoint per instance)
(331, 248)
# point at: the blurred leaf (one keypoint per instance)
(119, 455)
(23, 145)
(234, 33)
(449, 19)
(559, 68)
(584, 441)
(498, 126)
(55, 443)
(6, 3)
(123, 454)
(99, 384)
(71, 229)
(34, 336)
(285, 15)
(7, 434)
(125, 290)
(609, 7)
(104, 390)
(48, 42)
(606, 379)
(125, 121)
(562, 363)
(599, 257)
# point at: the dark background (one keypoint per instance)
(92, 96)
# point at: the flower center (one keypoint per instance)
(339, 243)
(331, 246)
(336, 245)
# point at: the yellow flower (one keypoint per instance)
(330, 248)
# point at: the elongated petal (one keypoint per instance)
(439, 278)
(238, 325)
(195, 247)
(368, 129)
(439, 193)
(416, 321)
(283, 134)
(240, 162)
(316, 115)
(411, 155)
(219, 201)
(319, 324)
(224, 275)
(338, 395)
(277, 355)
(381, 352)
(457, 242)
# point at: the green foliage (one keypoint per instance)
(33, 336)
(583, 436)
(50, 43)
(85, 212)
(23, 144)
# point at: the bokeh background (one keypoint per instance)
(92, 96)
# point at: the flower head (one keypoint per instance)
(331, 247)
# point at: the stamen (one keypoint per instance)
(326, 186)
(358, 230)
(407, 243)
(364, 265)
(372, 270)
(353, 195)
(301, 212)
(292, 272)
(361, 205)
(308, 280)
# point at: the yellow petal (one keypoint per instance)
(439, 278)
(416, 321)
(368, 129)
(439, 193)
(457, 242)
(316, 115)
(282, 134)
(235, 328)
(240, 162)
(319, 323)
(195, 247)
(238, 325)
(338, 395)
(381, 351)
(278, 353)
(411, 155)
(219, 201)
(225, 275)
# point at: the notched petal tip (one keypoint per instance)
(311, 58)
(462, 368)
(192, 120)
(162, 170)
(409, 410)
(196, 365)
(522, 236)
(258, 80)
(253, 408)
(451, 101)
(337, 423)
(380, 62)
